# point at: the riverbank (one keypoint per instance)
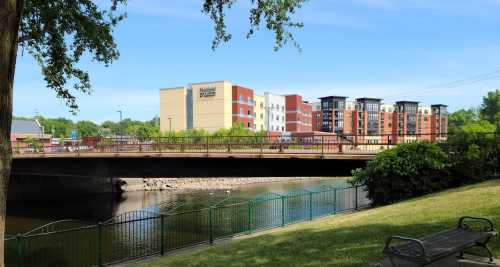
(349, 240)
(215, 183)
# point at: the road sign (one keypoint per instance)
(73, 134)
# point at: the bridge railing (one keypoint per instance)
(142, 233)
(303, 144)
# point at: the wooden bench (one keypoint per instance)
(432, 248)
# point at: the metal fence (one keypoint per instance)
(144, 233)
(303, 144)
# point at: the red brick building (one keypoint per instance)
(439, 122)
(317, 118)
(243, 106)
(298, 114)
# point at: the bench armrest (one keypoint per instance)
(395, 250)
(463, 225)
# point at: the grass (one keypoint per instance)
(348, 240)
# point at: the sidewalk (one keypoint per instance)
(470, 261)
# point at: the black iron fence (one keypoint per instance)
(150, 232)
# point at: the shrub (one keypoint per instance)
(405, 171)
(475, 155)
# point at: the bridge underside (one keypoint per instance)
(184, 167)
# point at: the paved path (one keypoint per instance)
(449, 262)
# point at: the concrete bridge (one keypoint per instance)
(201, 157)
(156, 164)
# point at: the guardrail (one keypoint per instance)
(306, 144)
(145, 232)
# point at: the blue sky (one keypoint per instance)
(391, 49)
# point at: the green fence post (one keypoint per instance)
(250, 216)
(283, 210)
(211, 226)
(162, 234)
(334, 200)
(19, 250)
(356, 198)
(99, 244)
(310, 206)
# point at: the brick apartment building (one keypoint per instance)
(298, 115)
(243, 106)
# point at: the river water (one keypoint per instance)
(26, 215)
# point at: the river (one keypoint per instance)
(23, 216)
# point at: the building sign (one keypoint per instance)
(207, 92)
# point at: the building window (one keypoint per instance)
(242, 112)
(261, 105)
(249, 125)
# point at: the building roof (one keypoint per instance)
(439, 105)
(407, 102)
(26, 127)
(362, 99)
(333, 96)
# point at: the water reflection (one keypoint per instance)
(26, 215)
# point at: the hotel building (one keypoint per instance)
(220, 105)
(205, 106)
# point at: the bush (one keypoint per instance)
(475, 155)
(405, 171)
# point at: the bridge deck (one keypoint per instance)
(286, 155)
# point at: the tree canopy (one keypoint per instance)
(490, 109)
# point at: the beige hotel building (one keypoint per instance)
(205, 106)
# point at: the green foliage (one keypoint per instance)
(406, 171)
(470, 155)
(274, 14)
(87, 128)
(490, 109)
(460, 118)
(475, 152)
(143, 133)
(58, 33)
(60, 127)
(33, 143)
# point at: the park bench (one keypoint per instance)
(431, 248)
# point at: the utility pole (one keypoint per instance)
(120, 125)
(170, 125)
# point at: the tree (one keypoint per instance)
(490, 109)
(58, 32)
(460, 118)
(60, 127)
(87, 128)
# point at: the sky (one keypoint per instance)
(390, 49)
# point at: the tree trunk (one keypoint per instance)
(10, 17)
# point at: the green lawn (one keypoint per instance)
(351, 239)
